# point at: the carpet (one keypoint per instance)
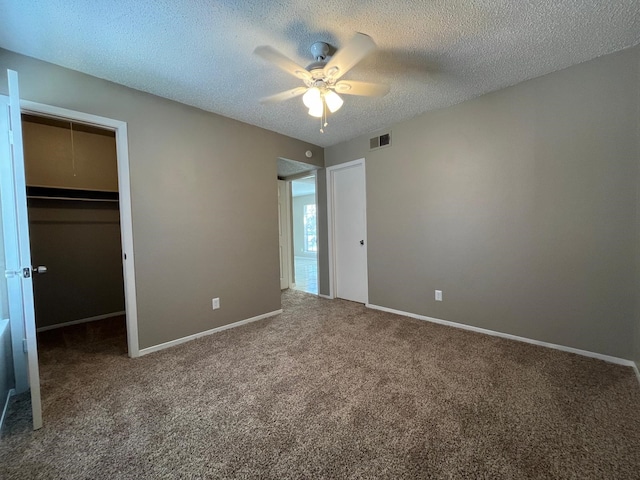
(328, 389)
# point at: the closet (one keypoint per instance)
(74, 221)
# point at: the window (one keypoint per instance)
(310, 237)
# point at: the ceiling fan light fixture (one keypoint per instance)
(320, 93)
(312, 98)
(317, 110)
(334, 102)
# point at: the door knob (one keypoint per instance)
(361, 242)
(39, 269)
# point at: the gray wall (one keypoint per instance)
(6, 362)
(4, 295)
(637, 345)
(297, 219)
(520, 205)
(203, 192)
(323, 247)
(7, 376)
(79, 242)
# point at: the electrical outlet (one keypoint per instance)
(215, 303)
(439, 295)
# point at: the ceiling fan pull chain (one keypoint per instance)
(323, 119)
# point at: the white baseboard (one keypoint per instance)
(82, 320)
(635, 368)
(585, 353)
(178, 341)
(10, 394)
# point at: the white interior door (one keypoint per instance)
(17, 255)
(348, 209)
(283, 234)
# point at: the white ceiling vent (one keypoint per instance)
(383, 140)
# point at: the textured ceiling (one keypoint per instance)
(432, 53)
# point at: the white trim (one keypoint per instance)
(82, 320)
(331, 239)
(585, 353)
(325, 296)
(315, 199)
(289, 206)
(25, 284)
(635, 368)
(124, 192)
(314, 174)
(10, 394)
(178, 341)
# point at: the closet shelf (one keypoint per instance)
(50, 193)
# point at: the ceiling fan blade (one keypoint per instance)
(270, 54)
(366, 89)
(282, 96)
(355, 50)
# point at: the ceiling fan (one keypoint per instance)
(322, 77)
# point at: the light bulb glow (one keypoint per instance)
(334, 102)
(316, 110)
(312, 98)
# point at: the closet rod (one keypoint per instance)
(80, 199)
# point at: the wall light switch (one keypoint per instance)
(439, 295)
(215, 303)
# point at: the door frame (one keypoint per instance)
(124, 195)
(331, 228)
(311, 173)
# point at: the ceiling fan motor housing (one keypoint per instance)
(320, 50)
(316, 69)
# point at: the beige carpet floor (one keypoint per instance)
(328, 389)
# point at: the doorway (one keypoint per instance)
(304, 233)
(101, 196)
(74, 228)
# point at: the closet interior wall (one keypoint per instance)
(74, 220)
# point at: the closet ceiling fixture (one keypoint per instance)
(322, 78)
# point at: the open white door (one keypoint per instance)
(15, 234)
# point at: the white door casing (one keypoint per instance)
(346, 198)
(17, 251)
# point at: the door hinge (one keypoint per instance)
(25, 345)
(25, 273)
(11, 137)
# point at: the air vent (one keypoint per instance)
(383, 140)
